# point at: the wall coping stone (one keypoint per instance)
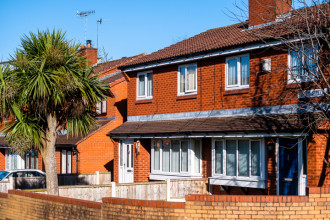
(59, 199)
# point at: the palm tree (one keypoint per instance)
(50, 89)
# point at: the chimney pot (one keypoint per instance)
(89, 43)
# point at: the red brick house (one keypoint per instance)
(93, 152)
(205, 108)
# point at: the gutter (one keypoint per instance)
(213, 54)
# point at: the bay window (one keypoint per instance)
(303, 63)
(144, 85)
(238, 72)
(238, 159)
(187, 79)
(179, 157)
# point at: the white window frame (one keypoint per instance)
(292, 79)
(224, 163)
(65, 161)
(101, 107)
(161, 175)
(239, 74)
(145, 96)
(187, 92)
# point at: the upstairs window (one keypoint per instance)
(144, 85)
(187, 79)
(238, 72)
(101, 107)
(303, 64)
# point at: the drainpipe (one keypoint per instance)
(74, 149)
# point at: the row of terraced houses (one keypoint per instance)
(211, 106)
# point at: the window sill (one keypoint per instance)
(237, 91)
(261, 184)
(189, 96)
(298, 85)
(165, 176)
(143, 101)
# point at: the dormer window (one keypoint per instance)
(187, 79)
(144, 85)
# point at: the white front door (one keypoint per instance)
(126, 161)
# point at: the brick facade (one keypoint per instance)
(18, 205)
(266, 89)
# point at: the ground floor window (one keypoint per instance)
(15, 161)
(31, 160)
(178, 157)
(238, 158)
(66, 161)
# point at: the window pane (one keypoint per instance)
(231, 157)
(149, 76)
(182, 79)
(191, 78)
(69, 162)
(232, 72)
(32, 161)
(175, 157)
(243, 157)
(295, 65)
(218, 157)
(310, 63)
(27, 161)
(127, 155)
(184, 156)
(166, 156)
(255, 158)
(98, 108)
(63, 161)
(156, 155)
(245, 70)
(142, 85)
(36, 160)
(197, 158)
(104, 106)
(121, 153)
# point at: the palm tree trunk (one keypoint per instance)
(49, 156)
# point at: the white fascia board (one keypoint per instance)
(260, 135)
(214, 54)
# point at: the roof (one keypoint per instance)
(258, 123)
(222, 38)
(68, 140)
(64, 139)
(112, 77)
(110, 65)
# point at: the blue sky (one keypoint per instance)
(135, 27)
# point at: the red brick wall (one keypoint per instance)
(2, 159)
(142, 161)
(318, 172)
(264, 11)
(90, 53)
(266, 89)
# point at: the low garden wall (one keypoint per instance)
(28, 205)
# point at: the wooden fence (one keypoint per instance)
(96, 178)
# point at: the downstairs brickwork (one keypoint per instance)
(28, 205)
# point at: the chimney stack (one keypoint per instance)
(264, 11)
(89, 52)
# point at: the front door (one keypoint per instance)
(126, 161)
(288, 166)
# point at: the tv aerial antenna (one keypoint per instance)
(99, 22)
(85, 14)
